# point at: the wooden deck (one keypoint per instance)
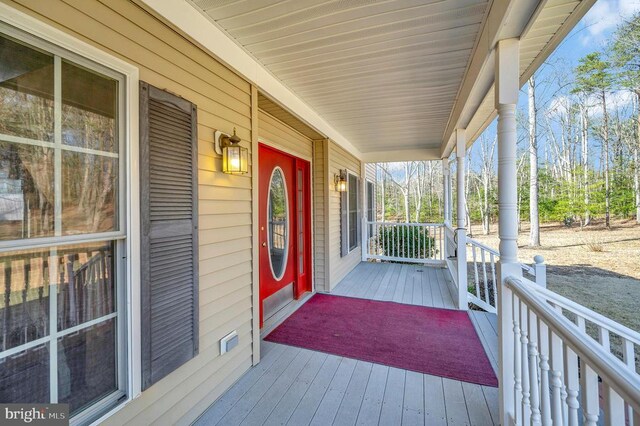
(295, 386)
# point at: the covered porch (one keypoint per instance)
(297, 386)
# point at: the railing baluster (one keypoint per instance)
(536, 418)
(493, 276)
(571, 377)
(545, 396)
(613, 407)
(556, 379)
(629, 358)
(590, 395)
(475, 271)
(484, 275)
(604, 338)
(517, 361)
(524, 350)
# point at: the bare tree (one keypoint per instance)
(534, 234)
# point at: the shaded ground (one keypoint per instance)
(606, 281)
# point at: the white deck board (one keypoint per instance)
(300, 387)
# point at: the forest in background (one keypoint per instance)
(578, 149)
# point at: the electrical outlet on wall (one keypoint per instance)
(229, 342)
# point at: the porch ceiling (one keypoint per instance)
(385, 74)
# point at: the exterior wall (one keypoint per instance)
(370, 171)
(167, 60)
(320, 206)
(339, 266)
(279, 135)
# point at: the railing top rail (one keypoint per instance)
(482, 246)
(589, 315)
(603, 362)
(528, 268)
(448, 226)
(407, 223)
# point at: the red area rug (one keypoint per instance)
(440, 342)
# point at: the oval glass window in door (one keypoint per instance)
(278, 222)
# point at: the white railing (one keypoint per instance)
(450, 240)
(482, 290)
(483, 274)
(404, 242)
(561, 375)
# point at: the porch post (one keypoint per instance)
(507, 85)
(461, 232)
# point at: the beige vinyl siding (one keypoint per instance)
(340, 159)
(167, 60)
(275, 133)
(370, 170)
(320, 192)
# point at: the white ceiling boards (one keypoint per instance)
(385, 74)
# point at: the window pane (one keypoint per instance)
(86, 285)
(353, 212)
(24, 313)
(24, 377)
(87, 365)
(89, 193)
(26, 91)
(89, 109)
(26, 191)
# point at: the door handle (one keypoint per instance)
(264, 244)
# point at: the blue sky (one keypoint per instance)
(590, 34)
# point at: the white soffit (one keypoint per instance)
(383, 74)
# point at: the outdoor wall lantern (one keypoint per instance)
(340, 181)
(235, 159)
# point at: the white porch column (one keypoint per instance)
(461, 231)
(506, 97)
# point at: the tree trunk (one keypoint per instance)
(636, 173)
(584, 122)
(534, 234)
(605, 147)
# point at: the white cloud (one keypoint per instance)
(617, 100)
(604, 17)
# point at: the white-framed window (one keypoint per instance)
(353, 210)
(64, 223)
(371, 205)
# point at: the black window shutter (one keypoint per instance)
(344, 223)
(169, 232)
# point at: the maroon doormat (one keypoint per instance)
(440, 342)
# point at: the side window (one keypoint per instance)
(62, 319)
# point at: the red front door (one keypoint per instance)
(284, 228)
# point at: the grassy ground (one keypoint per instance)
(595, 267)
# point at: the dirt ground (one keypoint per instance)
(595, 267)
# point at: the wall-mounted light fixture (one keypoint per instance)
(340, 181)
(235, 159)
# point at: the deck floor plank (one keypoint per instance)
(299, 387)
(391, 413)
(328, 408)
(457, 414)
(373, 396)
(270, 399)
(435, 412)
(476, 405)
(243, 407)
(350, 407)
(309, 403)
(413, 405)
